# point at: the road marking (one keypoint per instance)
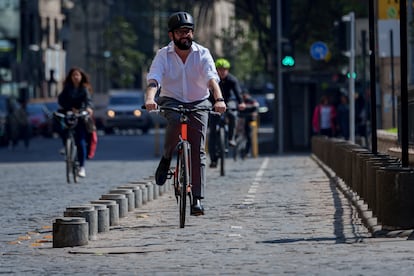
(251, 194)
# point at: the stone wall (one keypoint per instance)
(388, 143)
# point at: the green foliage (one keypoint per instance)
(392, 130)
(239, 48)
(124, 61)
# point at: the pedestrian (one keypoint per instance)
(248, 115)
(76, 97)
(17, 123)
(324, 116)
(231, 90)
(343, 118)
(360, 120)
(185, 72)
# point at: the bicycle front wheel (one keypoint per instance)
(75, 165)
(184, 177)
(68, 150)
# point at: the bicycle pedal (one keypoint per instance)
(170, 174)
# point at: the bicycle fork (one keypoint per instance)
(178, 174)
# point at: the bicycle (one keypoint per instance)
(181, 174)
(241, 140)
(69, 121)
(222, 145)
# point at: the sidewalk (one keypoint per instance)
(269, 215)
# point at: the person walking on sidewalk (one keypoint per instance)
(185, 72)
(324, 118)
(76, 97)
(231, 90)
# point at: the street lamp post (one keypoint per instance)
(351, 55)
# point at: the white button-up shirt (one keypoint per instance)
(186, 82)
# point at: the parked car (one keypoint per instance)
(3, 113)
(39, 119)
(124, 112)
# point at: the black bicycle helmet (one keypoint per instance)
(180, 19)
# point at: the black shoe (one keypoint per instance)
(161, 173)
(197, 209)
(213, 164)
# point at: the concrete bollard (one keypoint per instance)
(150, 188)
(113, 210)
(156, 190)
(145, 190)
(372, 167)
(89, 213)
(348, 165)
(356, 173)
(394, 197)
(122, 202)
(136, 189)
(103, 217)
(359, 181)
(70, 231)
(129, 195)
(364, 172)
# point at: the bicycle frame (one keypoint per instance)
(183, 169)
(69, 121)
(222, 145)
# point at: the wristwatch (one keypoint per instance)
(152, 85)
(220, 100)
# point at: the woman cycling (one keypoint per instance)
(76, 97)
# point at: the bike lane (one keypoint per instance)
(269, 215)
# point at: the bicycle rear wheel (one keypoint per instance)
(222, 149)
(184, 180)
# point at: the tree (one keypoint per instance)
(124, 61)
(308, 20)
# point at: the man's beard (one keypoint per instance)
(185, 45)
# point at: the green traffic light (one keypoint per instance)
(354, 75)
(288, 61)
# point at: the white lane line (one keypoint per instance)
(251, 194)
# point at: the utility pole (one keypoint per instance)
(279, 75)
(373, 78)
(351, 55)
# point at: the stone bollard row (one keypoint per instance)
(82, 223)
(378, 179)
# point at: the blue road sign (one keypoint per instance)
(319, 50)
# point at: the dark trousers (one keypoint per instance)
(197, 130)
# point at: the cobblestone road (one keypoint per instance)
(270, 215)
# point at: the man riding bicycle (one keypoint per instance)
(230, 88)
(185, 72)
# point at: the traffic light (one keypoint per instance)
(287, 57)
(348, 75)
(341, 35)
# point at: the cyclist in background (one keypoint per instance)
(230, 88)
(249, 115)
(185, 72)
(76, 96)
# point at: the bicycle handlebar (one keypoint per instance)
(83, 113)
(184, 110)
